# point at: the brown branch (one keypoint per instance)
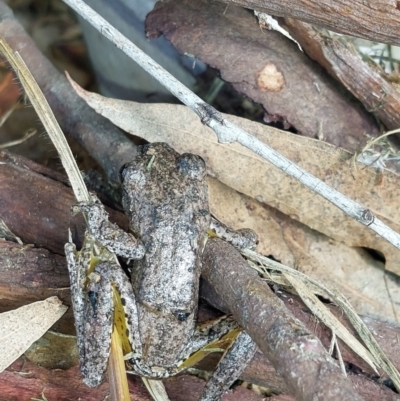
(299, 356)
(107, 144)
(363, 80)
(376, 20)
(37, 209)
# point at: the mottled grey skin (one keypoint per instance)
(167, 206)
(165, 197)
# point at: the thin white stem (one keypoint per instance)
(46, 115)
(228, 132)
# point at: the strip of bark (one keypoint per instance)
(376, 20)
(364, 81)
(23, 381)
(298, 355)
(105, 142)
(36, 208)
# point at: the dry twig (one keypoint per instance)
(309, 371)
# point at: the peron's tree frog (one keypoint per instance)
(165, 197)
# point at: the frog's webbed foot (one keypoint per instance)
(109, 234)
(230, 367)
(210, 337)
(244, 238)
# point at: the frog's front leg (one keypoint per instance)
(109, 234)
(244, 238)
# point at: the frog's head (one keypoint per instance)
(161, 156)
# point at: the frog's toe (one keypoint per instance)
(249, 238)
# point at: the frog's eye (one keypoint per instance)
(181, 315)
(192, 166)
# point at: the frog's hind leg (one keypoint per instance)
(105, 284)
(215, 336)
(230, 367)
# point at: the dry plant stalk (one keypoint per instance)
(45, 114)
(376, 20)
(81, 193)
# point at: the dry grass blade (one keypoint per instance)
(261, 264)
(156, 389)
(358, 156)
(26, 136)
(323, 314)
(380, 357)
(117, 374)
(45, 114)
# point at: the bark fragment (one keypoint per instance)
(376, 20)
(365, 81)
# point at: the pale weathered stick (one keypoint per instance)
(228, 132)
(45, 114)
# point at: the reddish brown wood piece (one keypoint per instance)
(376, 20)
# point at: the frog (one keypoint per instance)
(165, 197)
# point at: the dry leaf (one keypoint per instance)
(327, 317)
(352, 271)
(244, 171)
(19, 328)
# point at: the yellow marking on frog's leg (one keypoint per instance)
(218, 345)
(120, 321)
(117, 370)
(211, 233)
